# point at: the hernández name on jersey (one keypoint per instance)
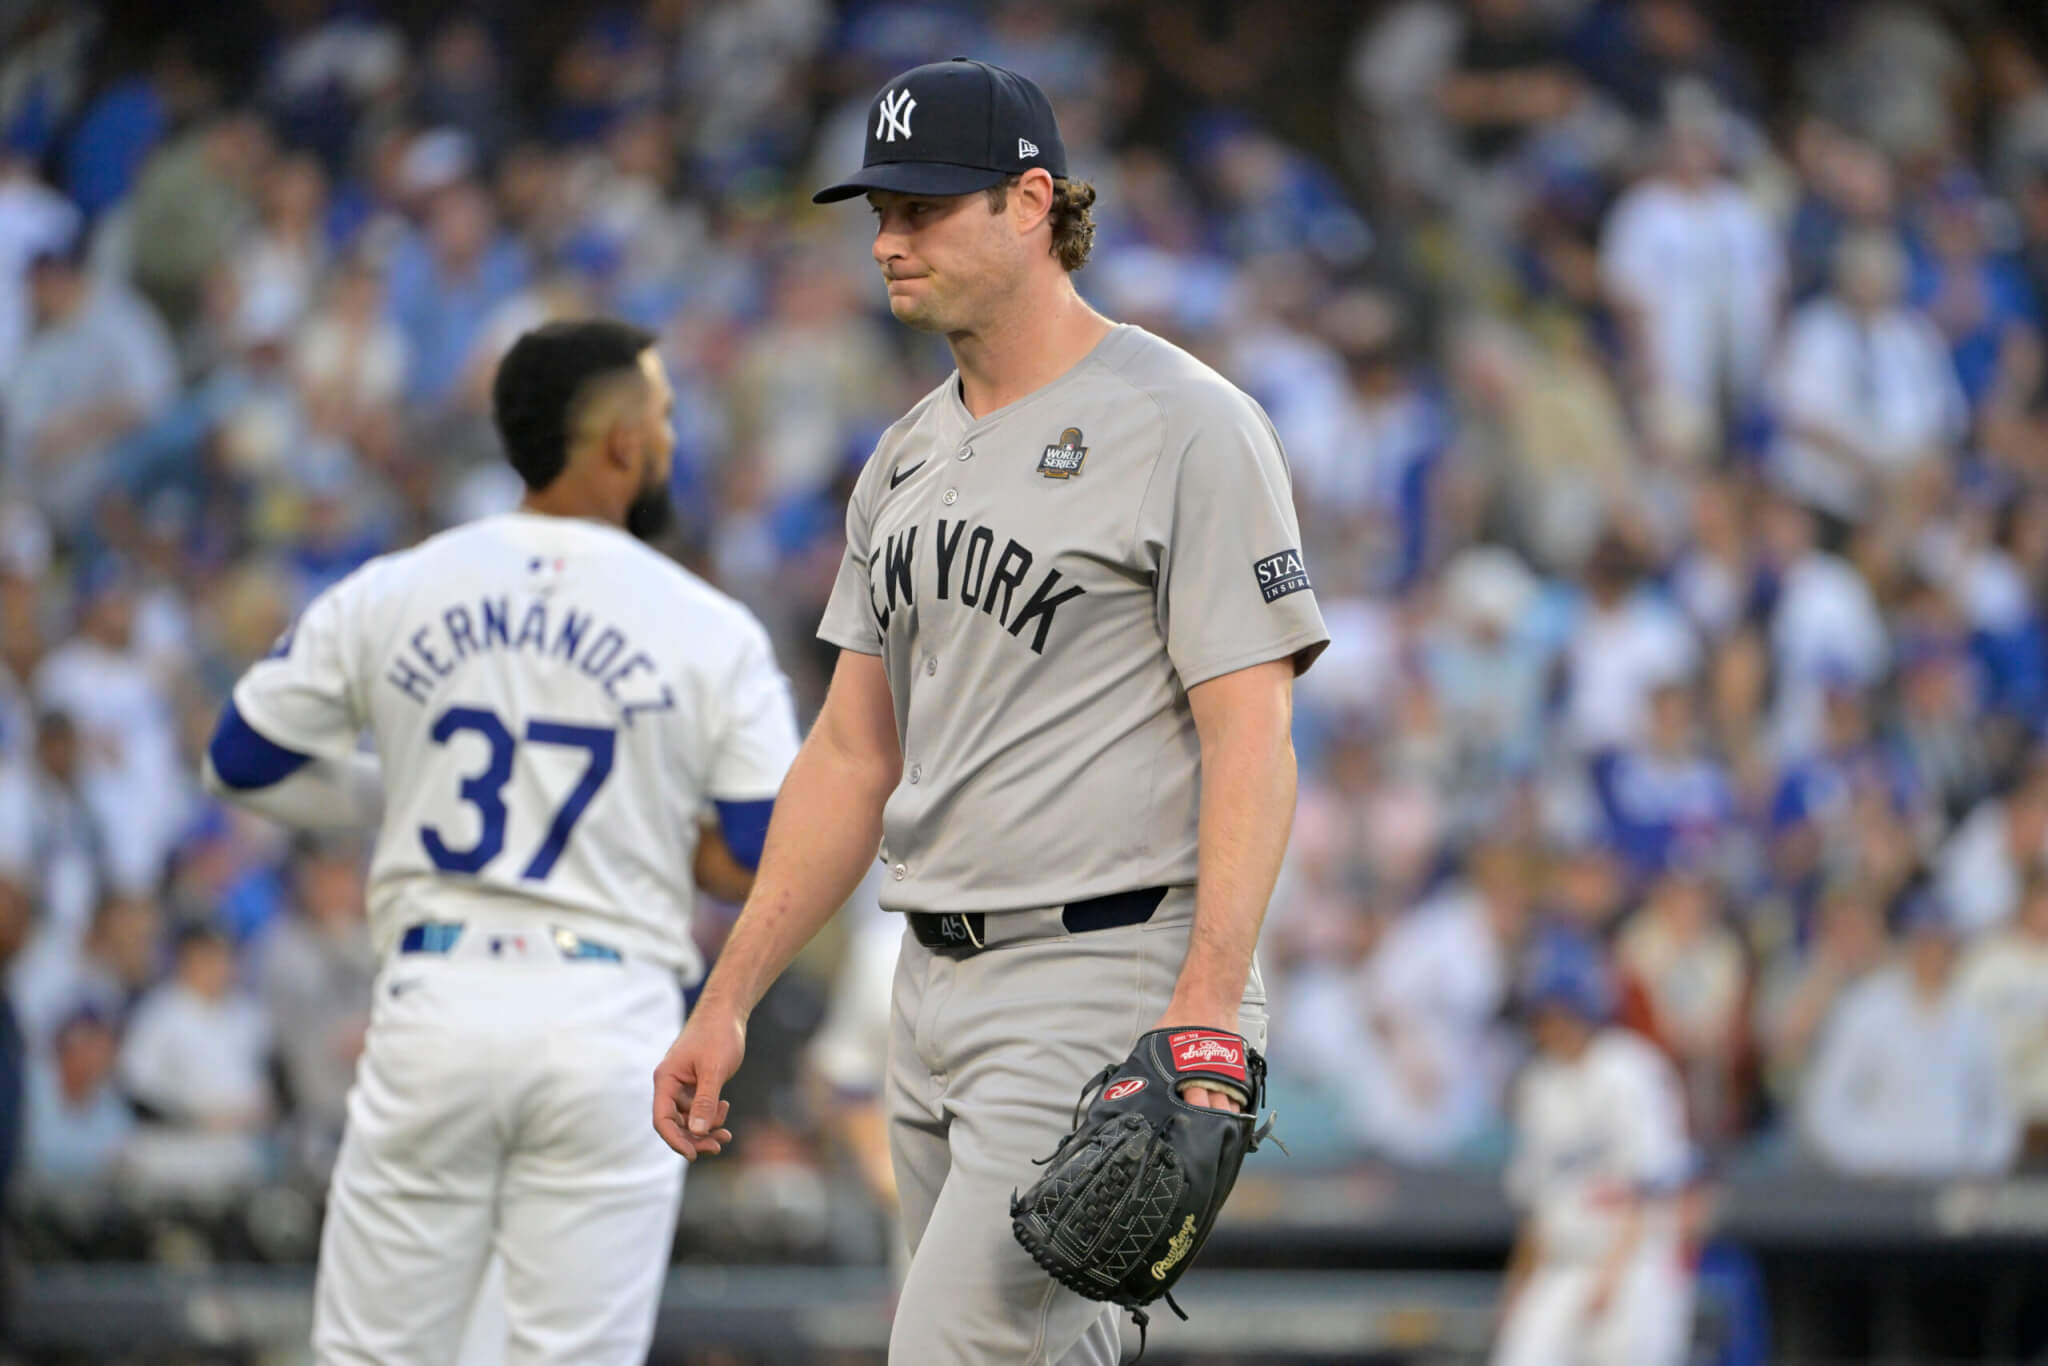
(535, 626)
(969, 573)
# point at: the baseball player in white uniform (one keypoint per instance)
(1070, 616)
(1602, 1272)
(557, 711)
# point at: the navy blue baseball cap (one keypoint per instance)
(955, 127)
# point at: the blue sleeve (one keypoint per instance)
(745, 828)
(245, 759)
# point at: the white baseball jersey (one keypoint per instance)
(1590, 1135)
(553, 705)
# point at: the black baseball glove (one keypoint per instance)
(1129, 1197)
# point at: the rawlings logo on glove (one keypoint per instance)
(1128, 1198)
(1199, 1048)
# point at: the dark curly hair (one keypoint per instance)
(1073, 226)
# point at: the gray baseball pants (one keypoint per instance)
(987, 1054)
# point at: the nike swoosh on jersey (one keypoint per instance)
(898, 476)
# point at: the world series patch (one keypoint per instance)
(1281, 574)
(1063, 460)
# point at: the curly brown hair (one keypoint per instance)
(1073, 227)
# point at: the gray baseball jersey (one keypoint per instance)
(1044, 584)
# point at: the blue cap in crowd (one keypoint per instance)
(1568, 970)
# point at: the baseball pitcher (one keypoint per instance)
(1070, 615)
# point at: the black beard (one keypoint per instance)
(650, 513)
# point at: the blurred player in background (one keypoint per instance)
(554, 705)
(1601, 1274)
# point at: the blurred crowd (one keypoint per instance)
(1667, 405)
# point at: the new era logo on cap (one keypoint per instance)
(1026, 147)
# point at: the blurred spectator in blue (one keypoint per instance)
(1825, 628)
(1486, 663)
(622, 224)
(2005, 975)
(118, 959)
(1977, 298)
(1937, 731)
(1585, 890)
(1666, 795)
(1802, 985)
(33, 218)
(1637, 49)
(245, 410)
(1024, 35)
(1509, 76)
(1846, 187)
(330, 66)
(50, 836)
(193, 207)
(2031, 203)
(78, 1124)
(1694, 271)
(105, 152)
(1844, 808)
(42, 72)
(740, 71)
(131, 772)
(99, 365)
(1272, 198)
(460, 85)
(2000, 589)
(1685, 984)
(2003, 842)
(194, 1062)
(444, 282)
(1628, 641)
(316, 974)
(1864, 387)
(1907, 1081)
(1377, 478)
(584, 92)
(1715, 576)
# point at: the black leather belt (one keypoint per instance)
(961, 933)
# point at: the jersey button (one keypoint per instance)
(899, 872)
(967, 453)
(931, 665)
(950, 497)
(917, 773)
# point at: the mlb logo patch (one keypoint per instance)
(1206, 1050)
(1062, 460)
(1281, 574)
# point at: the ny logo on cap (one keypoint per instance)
(896, 107)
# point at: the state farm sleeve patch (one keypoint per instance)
(1281, 574)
